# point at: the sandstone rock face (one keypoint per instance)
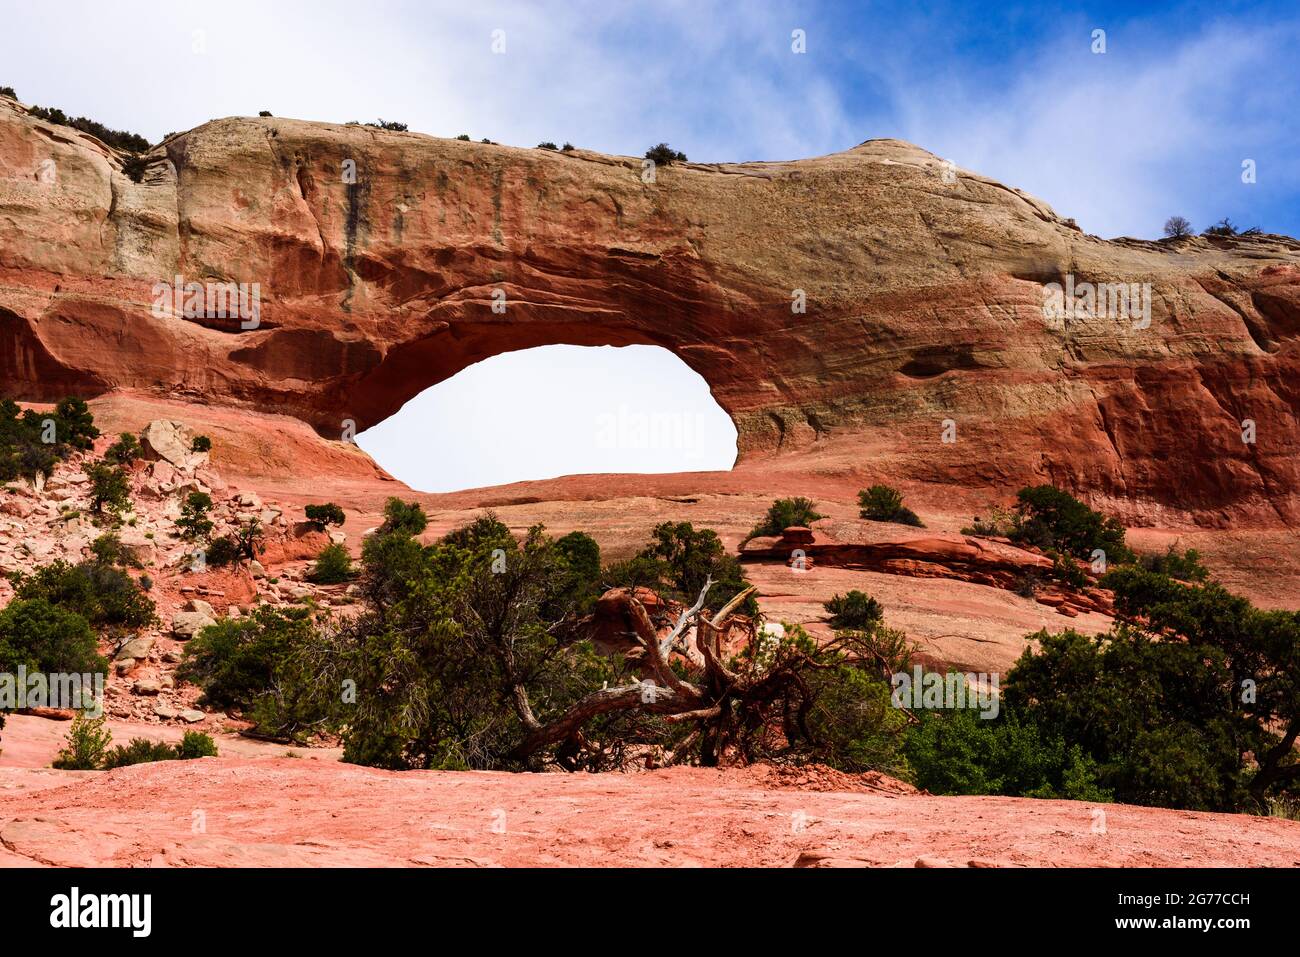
(864, 302)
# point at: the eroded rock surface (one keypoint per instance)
(924, 297)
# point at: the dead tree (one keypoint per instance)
(730, 709)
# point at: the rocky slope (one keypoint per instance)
(379, 257)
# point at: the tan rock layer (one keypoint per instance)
(924, 300)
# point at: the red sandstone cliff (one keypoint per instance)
(924, 300)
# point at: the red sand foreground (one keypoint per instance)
(258, 812)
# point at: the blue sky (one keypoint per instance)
(1157, 125)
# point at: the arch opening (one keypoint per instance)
(549, 411)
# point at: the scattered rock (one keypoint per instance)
(187, 624)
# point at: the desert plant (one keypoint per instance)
(109, 550)
(194, 522)
(664, 155)
(196, 744)
(403, 518)
(785, 513)
(1184, 567)
(333, 566)
(105, 595)
(118, 139)
(856, 610)
(881, 503)
(238, 659)
(43, 637)
(1050, 518)
(1176, 226)
(85, 746)
(134, 168)
(124, 451)
(138, 751)
(249, 538)
(222, 551)
(327, 514)
(109, 488)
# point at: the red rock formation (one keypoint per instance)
(960, 557)
(923, 301)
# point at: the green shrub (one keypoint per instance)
(853, 722)
(138, 751)
(222, 551)
(1185, 567)
(104, 595)
(403, 518)
(194, 522)
(958, 752)
(786, 513)
(47, 638)
(124, 451)
(238, 659)
(1052, 519)
(548, 145)
(333, 566)
(999, 524)
(264, 113)
(134, 168)
(249, 538)
(390, 125)
(880, 503)
(686, 557)
(109, 488)
(464, 137)
(85, 746)
(566, 148)
(486, 531)
(33, 442)
(665, 155)
(108, 550)
(196, 744)
(127, 142)
(856, 610)
(201, 443)
(9, 92)
(327, 514)
(582, 553)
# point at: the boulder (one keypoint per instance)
(136, 649)
(201, 606)
(172, 442)
(187, 624)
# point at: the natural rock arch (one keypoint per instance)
(924, 299)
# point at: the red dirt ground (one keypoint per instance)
(283, 812)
